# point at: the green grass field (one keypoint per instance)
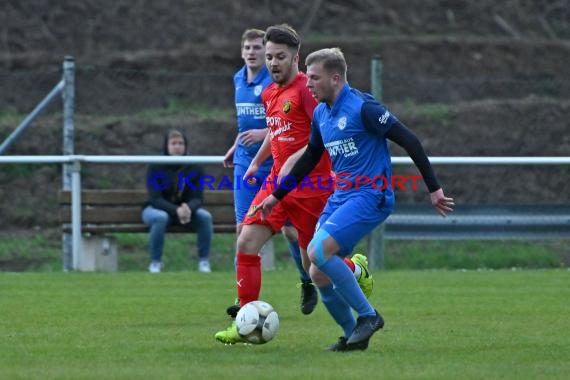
(439, 325)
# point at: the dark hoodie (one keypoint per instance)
(177, 190)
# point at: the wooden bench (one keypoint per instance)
(104, 212)
(108, 211)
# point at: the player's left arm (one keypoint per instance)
(379, 121)
(310, 157)
(262, 154)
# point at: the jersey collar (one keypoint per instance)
(258, 79)
(339, 100)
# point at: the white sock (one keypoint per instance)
(357, 271)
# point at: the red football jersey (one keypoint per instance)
(288, 113)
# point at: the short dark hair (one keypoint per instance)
(251, 34)
(283, 34)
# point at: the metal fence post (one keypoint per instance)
(376, 237)
(76, 214)
(68, 96)
(376, 77)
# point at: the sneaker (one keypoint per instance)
(204, 266)
(338, 346)
(309, 297)
(233, 310)
(365, 327)
(341, 345)
(229, 335)
(365, 280)
(155, 267)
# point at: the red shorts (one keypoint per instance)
(303, 213)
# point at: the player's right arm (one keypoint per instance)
(229, 156)
(253, 136)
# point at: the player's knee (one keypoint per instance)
(316, 248)
(252, 238)
(246, 240)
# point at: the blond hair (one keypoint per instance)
(332, 59)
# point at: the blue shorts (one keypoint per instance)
(355, 215)
(243, 195)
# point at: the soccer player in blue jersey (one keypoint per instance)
(354, 128)
(249, 82)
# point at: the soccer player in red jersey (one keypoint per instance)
(249, 82)
(289, 109)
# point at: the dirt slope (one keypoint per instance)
(490, 78)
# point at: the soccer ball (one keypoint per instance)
(257, 322)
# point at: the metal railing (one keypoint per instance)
(76, 161)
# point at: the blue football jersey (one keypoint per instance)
(352, 131)
(250, 112)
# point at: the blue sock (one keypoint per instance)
(338, 309)
(346, 286)
(295, 252)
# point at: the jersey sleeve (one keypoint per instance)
(379, 121)
(316, 139)
(409, 141)
(376, 118)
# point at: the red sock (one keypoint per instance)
(350, 264)
(248, 277)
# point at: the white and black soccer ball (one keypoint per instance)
(257, 322)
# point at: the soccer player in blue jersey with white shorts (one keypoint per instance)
(249, 82)
(354, 128)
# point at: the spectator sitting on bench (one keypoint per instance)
(171, 201)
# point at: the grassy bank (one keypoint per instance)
(41, 251)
